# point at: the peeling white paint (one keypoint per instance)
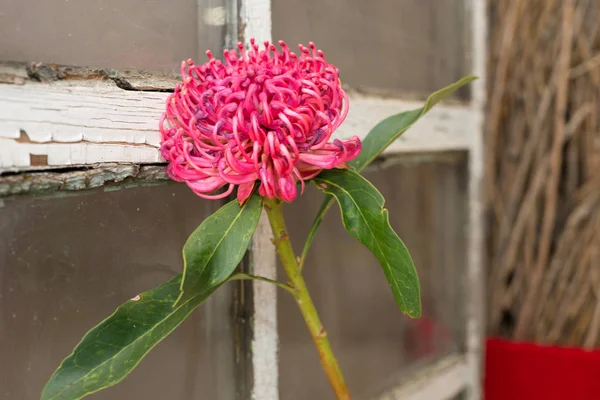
(475, 301)
(78, 125)
(256, 18)
(265, 341)
(257, 24)
(215, 16)
(88, 125)
(443, 128)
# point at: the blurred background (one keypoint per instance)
(69, 257)
(543, 190)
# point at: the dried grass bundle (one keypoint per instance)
(543, 176)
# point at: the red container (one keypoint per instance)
(526, 371)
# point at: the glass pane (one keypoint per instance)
(392, 46)
(145, 34)
(376, 344)
(67, 262)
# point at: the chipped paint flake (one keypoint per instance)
(87, 125)
(77, 125)
(215, 16)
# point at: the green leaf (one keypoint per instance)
(378, 139)
(366, 219)
(215, 249)
(390, 129)
(111, 350)
(242, 276)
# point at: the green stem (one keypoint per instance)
(242, 276)
(313, 229)
(307, 307)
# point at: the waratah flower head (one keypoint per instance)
(263, 116)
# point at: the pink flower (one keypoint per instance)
(263, 115)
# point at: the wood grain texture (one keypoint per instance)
(100, 122)
(100, 175)
(444, 128)
(265, 342)
(475, 304)
(255, 18)
(128, 79)
(78, 125)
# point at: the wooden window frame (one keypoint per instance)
(103, 127)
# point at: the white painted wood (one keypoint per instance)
(443, 128)
(475, 301)
(256, 20)
(88, 124)
(256, 23)
(441, 381)
(265, 341)
(78, 125)
(214, 16)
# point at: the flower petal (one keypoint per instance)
(260, 116)
(244, 191)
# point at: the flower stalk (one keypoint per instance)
(281, 240)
